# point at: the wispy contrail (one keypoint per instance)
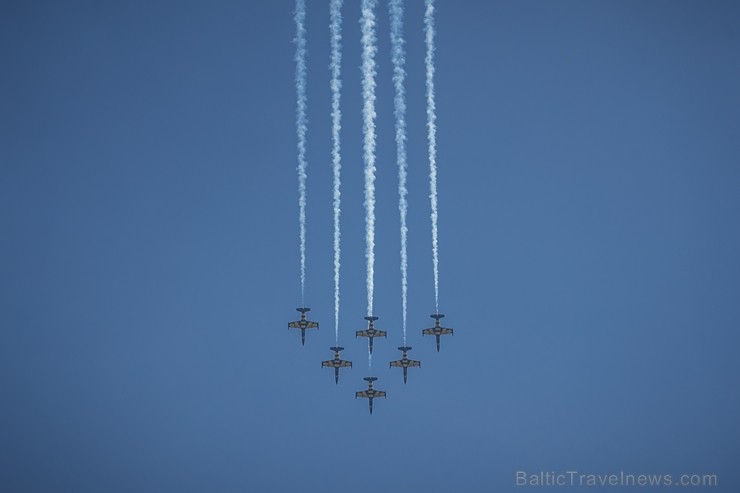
(301, 127)
(368, 114)
(432, 137)
(335, 16)
(399, 103)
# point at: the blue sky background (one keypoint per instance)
(589, 195)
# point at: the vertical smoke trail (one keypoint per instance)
(399, 103)
(368, 114)
(432, 137)
(368, 126)
(301, 127)
(335, 15)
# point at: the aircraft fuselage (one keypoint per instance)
(336, 363)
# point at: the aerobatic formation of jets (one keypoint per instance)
(369, 49)
(371, 332)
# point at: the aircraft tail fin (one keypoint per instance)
(336, 349)
(371, 319)
(437, 316)
(370, 379)
(303, 310)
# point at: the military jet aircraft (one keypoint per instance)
(336, 363)
(303, 324)
(370, 393)
(371, 332)
(437, 330)
(405, 362)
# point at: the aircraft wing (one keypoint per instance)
(446, 331)
(380, 393)
(380, 333)
(312, 325)
(396, 364)
(329, 363)
(345, 364)
(414, 362)
(361, 394)
(428, 332)
(294, 325)
(362, 333)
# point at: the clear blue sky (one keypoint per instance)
(589, 167)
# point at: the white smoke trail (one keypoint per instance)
(368, 113)
(335, 15)
(432, 137)
(301, 127)
(399, 75)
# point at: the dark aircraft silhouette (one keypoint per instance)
(303, 324)
(370, 393)
(405, 362)
(371, 332)
(437, 330)
(336, 363)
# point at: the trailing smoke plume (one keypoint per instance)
(368, 114)
(335, 15)
(432, 138)
(301, 127)
(399, 103)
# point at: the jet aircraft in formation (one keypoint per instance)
(303, 324)
(405, 362)
(437, 330)
(370, 393)
(336, 363)
(371, 332)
